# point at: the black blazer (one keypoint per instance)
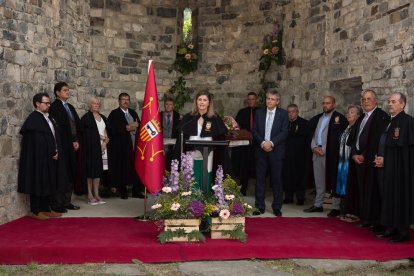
(278, 133)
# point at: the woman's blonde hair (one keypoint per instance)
(93, 99)
(210, 108)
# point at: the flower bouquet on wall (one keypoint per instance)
(228, 217)
(179, 206)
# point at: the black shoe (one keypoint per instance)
(137, 195)
(60, 209)
(313, 209)
(334, 213)
(124, 196)
(70, 206)
(277, 213)
(363, 225)
(287, 201)
(258, 212)
(400, 238)
(387, 234)
(376, 228)
(244, 193)
(300, 202)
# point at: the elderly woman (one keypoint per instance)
(343, 178)
(94, 151)
(202, 123)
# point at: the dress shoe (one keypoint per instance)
(334, 213)
(363, 225)
(376, 228)
(313, 209)
(124, 196)
(60, 210)
(70, 206)
(277, 213)
(300, 202)
(387, 234)
(39, 216)
(137, 195)
(51, 214)
(287, 201)
(258, 212)
(400, 238)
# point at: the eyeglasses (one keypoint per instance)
(47, 103)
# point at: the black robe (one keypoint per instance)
(242, 158)
(367, 190)
(39, 174)
(122, 151)
(297, 155)
(337, 125)
(91, 146)
(398, 200)
(212, 127)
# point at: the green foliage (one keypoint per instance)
(169, 235)
(187, 30)
(181, 93)
(237, 233)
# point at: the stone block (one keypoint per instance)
(166, 12)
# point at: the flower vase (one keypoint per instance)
(223, 229)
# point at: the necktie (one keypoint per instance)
(269, 124)
(168, 126)
(361, 128)
(68, 111)
(251, 118)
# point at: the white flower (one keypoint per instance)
(214, 187)
(175, 206)
(247, 206)
(229, 197)
(186, 193)
(190, 46)
(156, 206)
(224, 214)
(166, 189)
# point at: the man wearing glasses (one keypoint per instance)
(40, 159)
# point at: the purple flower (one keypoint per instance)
(218, 188)
(237, 209)
(187, 165)
(174, 176)
(197, 208)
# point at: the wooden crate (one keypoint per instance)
(188, 225)
(218, 226)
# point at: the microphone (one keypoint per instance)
(182, 133)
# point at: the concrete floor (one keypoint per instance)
(132, 207)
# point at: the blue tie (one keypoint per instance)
(269, 124)
(68, 111)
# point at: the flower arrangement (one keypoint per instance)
(185, 59)
(229, 199)
(272, 49)
(230, 123)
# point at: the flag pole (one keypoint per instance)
(144, 217)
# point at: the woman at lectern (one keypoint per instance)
(202, 123)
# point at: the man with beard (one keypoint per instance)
(326, 128)
(364, 146)
(68, 120)
(243, 157)
(297, 149)
(124, 122)
(396, 159)
(41, 167)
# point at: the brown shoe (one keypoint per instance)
(39, 216)
(51, 214)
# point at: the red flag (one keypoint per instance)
(150, 159)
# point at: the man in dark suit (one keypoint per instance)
(169, 122)
(364, 147)
(68, 120)
(270, 130)
(326, 128)
(243, 157)
(297, 149)
(124, 123)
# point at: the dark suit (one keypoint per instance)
(272, 160)
(123, 152)
(175, 122)
(366, 174)
(67, 135)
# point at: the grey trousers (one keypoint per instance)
(319, 174)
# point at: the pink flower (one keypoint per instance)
(156, 206)
(166, 189)
(175, 206)
(275, 50)
(224, 214)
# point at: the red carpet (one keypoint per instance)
(119, 240)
